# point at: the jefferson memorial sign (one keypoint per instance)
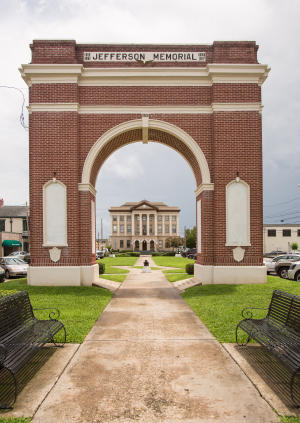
(88, 100)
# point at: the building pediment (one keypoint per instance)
(144, 205)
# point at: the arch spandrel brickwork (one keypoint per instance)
(208, 110)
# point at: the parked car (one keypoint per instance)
(294, 271)
(13, 266)
(2, 275)
(100, 254)
(23, 255)
(282, 266)
(192, 254)
(270, 264)
(275, 253)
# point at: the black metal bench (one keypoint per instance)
(278, 332)
(22, 335)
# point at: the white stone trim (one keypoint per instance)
(53, 107)
(248, 242)
(45, 242)
(199, 226)
(204, 187)
(230, 274)
(162, 76)
(87, 187)
(62, 275)
(137, 124)
(144, 110)
(237, 107)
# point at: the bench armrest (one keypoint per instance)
(53, 315)
(3, 352)
(247, 313)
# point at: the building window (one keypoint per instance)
(286, 232)
(150, 229)
(271, 232)
(174, 218)
(144, 217)
(122, 218)
(159, 218)
(160, 243)
(128, 228)
(114, 228)
(121, 243)
(151, 217)
(298, 232)
(122, 229)
(167, 229)
(173, 229)
(114, 218)
(128, 218)
(2, 225)
(128, 243)
(159, 227)
(25, 226)
(167, 218)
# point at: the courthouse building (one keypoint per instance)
(143, 226)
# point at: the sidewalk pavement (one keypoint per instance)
(150, 359)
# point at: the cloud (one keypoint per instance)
(129, 168)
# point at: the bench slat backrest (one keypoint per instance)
(15, 310)
(284, 309)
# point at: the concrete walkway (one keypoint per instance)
(150, 359)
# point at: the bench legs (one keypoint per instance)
(64, 341)
(10, 407)
(243, 344)
(292, 389)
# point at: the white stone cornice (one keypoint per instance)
(50, 73)
(147, 76)
(145, 110)
(87, 187)
(204, 187)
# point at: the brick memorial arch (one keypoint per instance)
(88, 100)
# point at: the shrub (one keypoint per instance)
(169, 253)
(189, 268)
(130, 254)
(101, 268)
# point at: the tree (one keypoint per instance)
(294, 246)
(174, 241)
(190, 237)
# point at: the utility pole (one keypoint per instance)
(101, 228)
(184, 237)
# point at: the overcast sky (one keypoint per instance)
(153, 171)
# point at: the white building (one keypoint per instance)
(281, 236)
(143, 226)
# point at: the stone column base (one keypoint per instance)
(62, 275)
(230, 274)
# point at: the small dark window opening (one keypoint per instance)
(286, 232)
(2, 225)
(271, 232)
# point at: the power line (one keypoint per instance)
(284, 202)
(21, 118)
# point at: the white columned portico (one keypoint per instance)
(141, 223)
(148, 223)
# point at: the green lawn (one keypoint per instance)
(115, 278)
(177, 277)
(111, 270)
(80, 306)
(219, 306)
(172, 261)
(290, 419)
(175, 270)
(119, 261)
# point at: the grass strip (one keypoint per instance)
(15, 419)
(111, 270)
(141, 267)
(178, 277)
(175, 270)
(79, 306)
(220, 306)
(115, 278)
(172, 261)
